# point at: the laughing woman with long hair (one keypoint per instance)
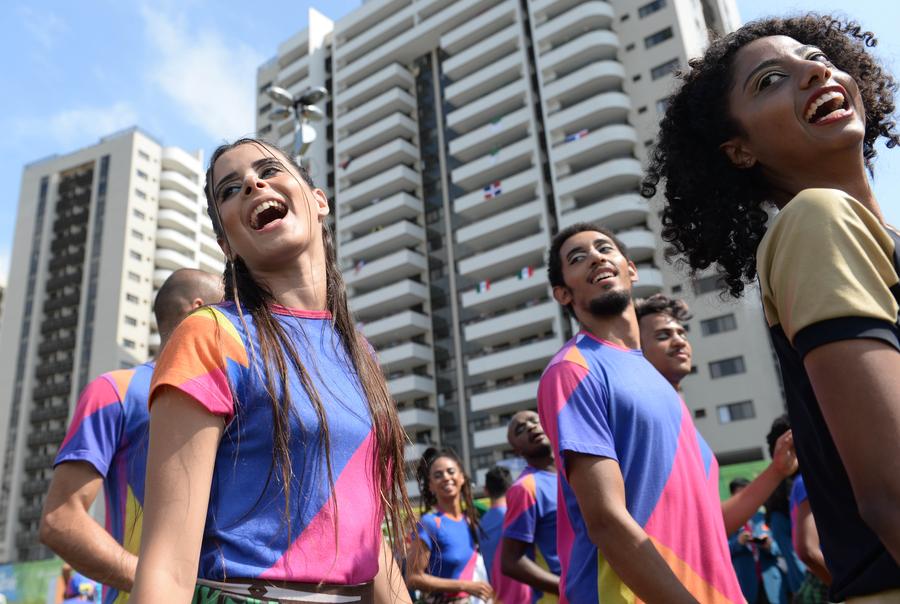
(785, 113)
(275, 453)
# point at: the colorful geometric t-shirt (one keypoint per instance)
(334, 533)
(452, 546)
(599, 399)
(531, 518)
(798, 496)
(109, 431)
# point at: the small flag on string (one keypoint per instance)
(345, 163)
(492, 190)
(359, 266)
(494, 152)
(483, 286)
(574, 137)
(526, 272)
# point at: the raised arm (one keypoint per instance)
(857, 384)
(600, 492)
(740, 507)
(183, 442)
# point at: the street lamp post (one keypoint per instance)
(303, 110)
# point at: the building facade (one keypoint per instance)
(460, 136)
(97, 232)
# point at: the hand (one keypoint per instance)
(744, 537)
(479, 589)
(784, 458)
(766, 543)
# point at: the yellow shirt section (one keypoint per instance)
(825, 256)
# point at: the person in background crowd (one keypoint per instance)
(74, 588)
(788, 113)
(814, 589)
(635, 521)
(528, 553)
(106, 445)
(444, 560)
(276, 453)
(755, 555)
(496, 483)
(665, 344)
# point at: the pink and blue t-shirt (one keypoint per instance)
(334, 533)
(531, 518)
(453, 552)
(109, 431)
(600, 399)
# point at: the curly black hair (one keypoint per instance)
(714, 212)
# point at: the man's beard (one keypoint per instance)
(609, 304)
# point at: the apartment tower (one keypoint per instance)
(97, 233)
(459, 137)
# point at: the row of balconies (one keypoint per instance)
(590, 15)
(45, 437)
(65, 301)
(50, 325)
(46, 413)
(56, 344)
(39, 462)
(66, 258)
(45, 370)
(35, 486)
(52, 389)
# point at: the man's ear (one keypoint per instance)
(738, 153)
(562, 294)
(632, 271)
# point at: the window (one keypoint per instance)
(676, 289)
(138, 214)
(661, 71)
(699, 413)
(128, 343)
(661, 106)
(642, 109)
(130, 321)
(265, 129)
(143, 155)
(142, 175)
(630, 47)
(131, 298)
(704, 285)
(140, 194)
(726, 367)
(137, 234)
(650, 8)
(265, 108)
(134, 255)
(658, 38)
(733, 412)
(625, 17)
(133, 276)
(264, 87)
(716, 325)
(636, 78)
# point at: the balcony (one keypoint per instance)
(496, 104)
(398, 151)
(173, 240)
(174, 200)
(293, 72)
(595, 148)
(172, 260)
(395, 100)
(153, 341)
(479, 27)
(500, 400)
(409, 387)
(490, 438)
(649, 282)
(486, 51)
(641, 243)
(530, 321)
(488, 168)
(514, 360)
(399, 265)
(413, 452)
(503, 131)
(379, 133)
(380, 31)
(543, 10)
(160, 275)
(395, 180)
(170, 179)
(414, 419)
(401, 326)
(575, 54)
(596, 78)
(591, 15)
(210, 264)
(293, 48)
(485, 80)
(389, 239)
(510, 225)
(615, 213)
(506, 259)
(392, 76)
(611, 178)
(401, 206)
(596, 112)
(412, 488)
(404, 357)
(172, 219)
(507, 293)
(179, 160)
(389, 300)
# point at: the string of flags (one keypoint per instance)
(526, 272)
(492, 190)
(494, 153)
(574, 137)
(483, 286)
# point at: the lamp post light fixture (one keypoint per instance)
(302, 109)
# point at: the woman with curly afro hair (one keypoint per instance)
(786, 113)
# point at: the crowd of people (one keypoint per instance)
(260, 458)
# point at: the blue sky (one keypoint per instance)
(185, 71)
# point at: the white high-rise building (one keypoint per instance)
(459, 137)
(97, 233)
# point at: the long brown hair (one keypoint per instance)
(255, 298)
(429, 499)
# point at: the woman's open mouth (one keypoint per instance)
(266, 213)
